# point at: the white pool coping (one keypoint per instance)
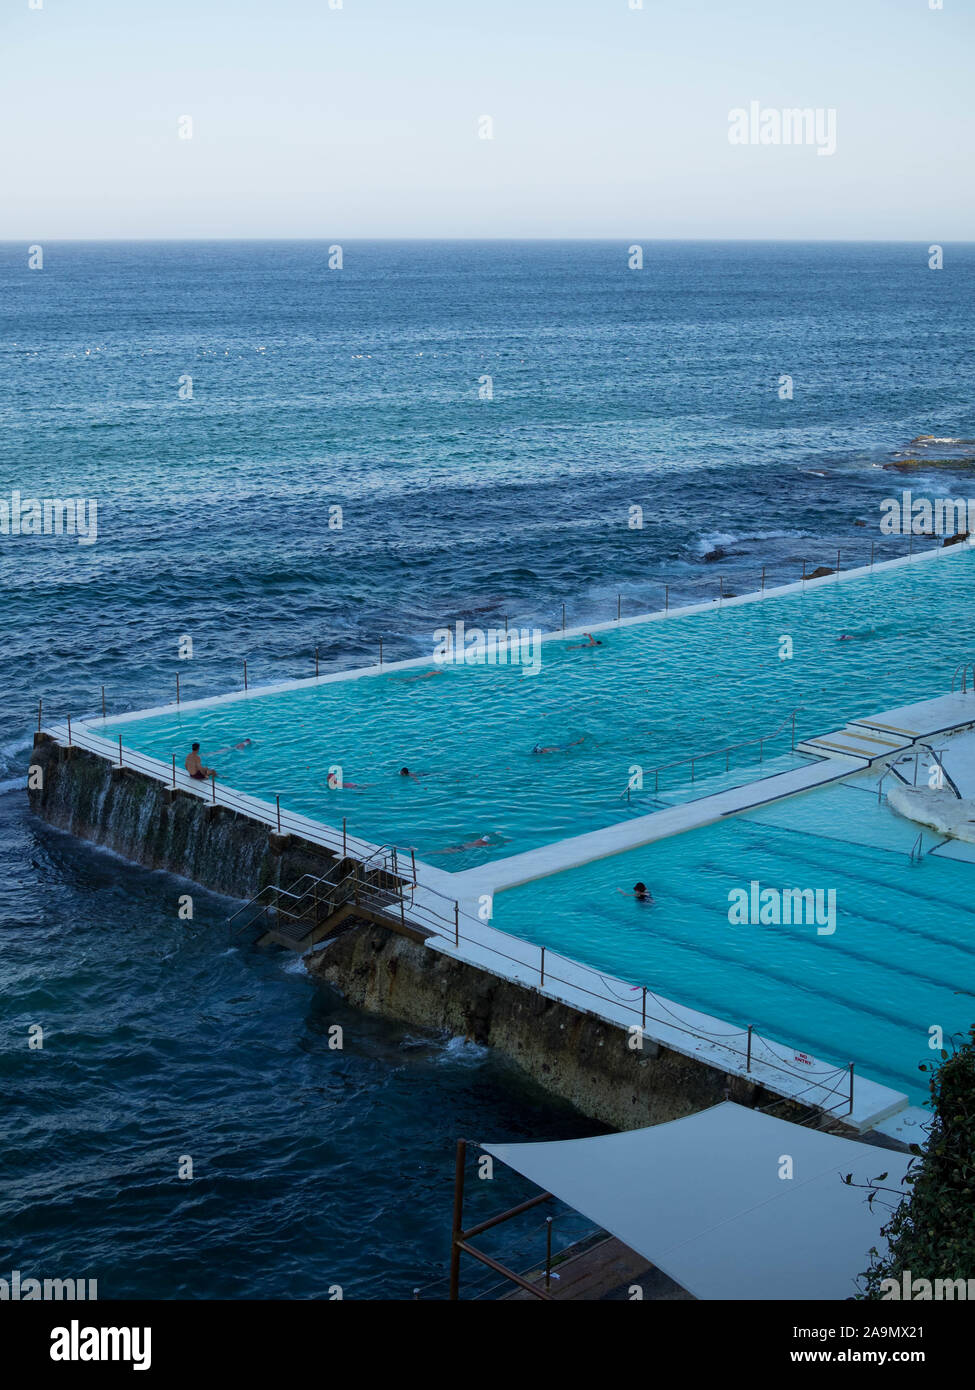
(558, 635)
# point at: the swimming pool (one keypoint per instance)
(900, 961)
(651, 693)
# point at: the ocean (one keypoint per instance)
(287, 457)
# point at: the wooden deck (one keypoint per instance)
(603, 1269)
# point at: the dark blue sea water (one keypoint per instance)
(358, 388)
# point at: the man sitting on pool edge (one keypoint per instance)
(194, 765)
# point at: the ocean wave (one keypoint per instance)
(13, 784)
(711, 539)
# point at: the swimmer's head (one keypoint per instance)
(196, 748)
(404, 772)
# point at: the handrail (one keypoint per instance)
(963, 669)
(944, 771)
(426, 917)
(727, 750)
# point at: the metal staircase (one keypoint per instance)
(312, 908)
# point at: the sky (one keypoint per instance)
(364, 118)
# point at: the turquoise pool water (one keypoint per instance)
(900, 961)
(648, 695)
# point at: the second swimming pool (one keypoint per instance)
(900, 962)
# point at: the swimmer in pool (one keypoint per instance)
(640, 891)
(581, 646)
(558, 748)
(481, 842)
(405, 772)
(245, 743)
(335, 785)
(424, 677)
(194, 765)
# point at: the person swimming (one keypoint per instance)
(558, 748)
(482, 842)
(640, 891)
(245, 743)
(405, 772)
(581, 646)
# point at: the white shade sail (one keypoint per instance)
(704, 1199)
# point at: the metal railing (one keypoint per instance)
(961, 674)
(725, 752)
(752, 1048)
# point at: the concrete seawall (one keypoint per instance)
(574, 1054)
(143, 820)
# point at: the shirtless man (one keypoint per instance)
(194, 765)
(581, 646)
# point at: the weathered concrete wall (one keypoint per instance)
(139, 818)
(575, 1055)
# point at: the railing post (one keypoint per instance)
(213, 790)
(872, 544)
(103, 702)
(837, 564)
(851, 1088)
(548, 1252)
(277, 802)
(120, 750)
(748, 1054)
(563, 617)
(245, 675)
(380, 651)
(541, 969)
(803, 571)
(69, 730)
(413, 863)
(763, 579)
(644, 1015)
(344, 841)
(457, 925)
(457, 1226)
(174, 772)
(316, 661)
(619, 606)
(666, 597)
(720, 587)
